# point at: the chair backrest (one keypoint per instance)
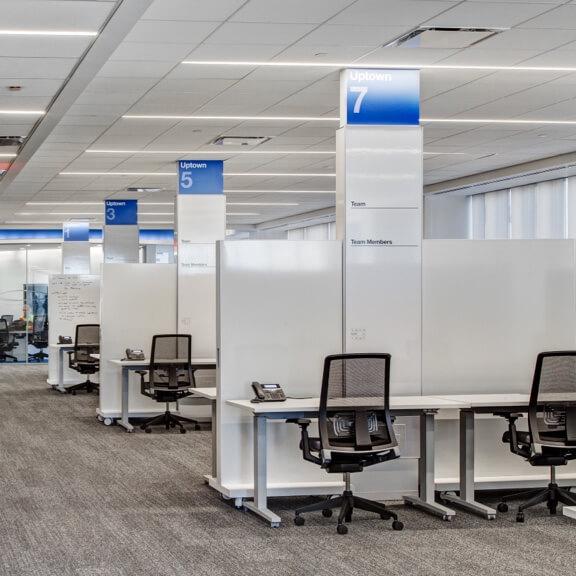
(354, 404)
(40, 325)
(4, 333)
(552, 412)
(87, 342)
(170, 361)
(8, 317)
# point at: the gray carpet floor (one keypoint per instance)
(81, 499)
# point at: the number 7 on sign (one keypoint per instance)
(361, 91)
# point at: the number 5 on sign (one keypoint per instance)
(186, 180)
(361, 91)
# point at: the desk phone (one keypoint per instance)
(268, 392)
(134, 354)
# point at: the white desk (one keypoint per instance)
(62, 348)
(424, 406)
(477, 404)
(131, 365)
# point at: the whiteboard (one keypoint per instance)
(489, 307)
(72, 299)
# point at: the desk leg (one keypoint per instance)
(214, 439)
(124, 420)
(61, 387)
(260, 504)
(466, 497)
(425, 500)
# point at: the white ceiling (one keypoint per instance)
(145, 76)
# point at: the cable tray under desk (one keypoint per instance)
(278, 488)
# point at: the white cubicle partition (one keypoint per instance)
(72, 299)
(279, 315)
(489, 307)
(138, 301)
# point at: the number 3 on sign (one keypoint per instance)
(361, 91)
(110, 214)
(186, 180)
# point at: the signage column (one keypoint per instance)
(121, 234)
(379, 217)
(76, 248)
(200, 222)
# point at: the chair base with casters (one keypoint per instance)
(168, 420)
(552, 495)
(89, 386)
(39, 356)
(4, 357)
(347, 503)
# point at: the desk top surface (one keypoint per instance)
(490, 400)
(311, 404)
(209, 393)
(62, 346)
(141, 363)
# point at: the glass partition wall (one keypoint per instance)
(24, 272)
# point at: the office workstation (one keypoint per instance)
(287, 287)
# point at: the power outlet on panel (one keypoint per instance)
(358, 334)
(400, 432)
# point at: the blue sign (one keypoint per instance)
(200, 177)
(382, 97)
(76, 231)
(121, 212)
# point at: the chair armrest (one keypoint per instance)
(512, 436)
(305, 439)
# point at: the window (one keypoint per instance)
(544, 210)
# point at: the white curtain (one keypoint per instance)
(523, 212)
(497, 215)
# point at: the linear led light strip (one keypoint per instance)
(233, 152)
(331, 119)
(47, 33)
(173, 174)
(338, 65)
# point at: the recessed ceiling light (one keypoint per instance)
(130, 189)
(340, 65)
(239, 118)
(251, 191)
(64, 203)
(242, 214)
(291, 174)
(47, 33)
(8, 154)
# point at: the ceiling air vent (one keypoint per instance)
(240, 140)
(424, 37)
(11, 140)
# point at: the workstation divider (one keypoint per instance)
(137, 302)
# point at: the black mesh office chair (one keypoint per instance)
(170, 377)
(355, 430)
(39, 339)
(87, 342)
(551, 439)
(7, 343)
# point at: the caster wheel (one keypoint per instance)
(327, 513)
(342, 529)
(73, 392)
(148, 431)
(407, 503)
(520, 517)
(397, 525)
(502, 507)
(299, 521)
(108, 421)
(172, 425)
(99, 418)
(182, 431)
(553, 511)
